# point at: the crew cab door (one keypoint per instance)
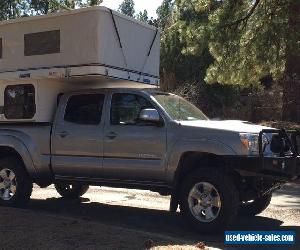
(133, 150)
(77, 138)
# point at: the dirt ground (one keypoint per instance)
(108, 218)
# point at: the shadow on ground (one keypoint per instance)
(290, 196)
(153, 221)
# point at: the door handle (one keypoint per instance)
(111, 135)
(63, 134)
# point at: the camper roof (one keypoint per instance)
(65, 12)
(93, 41)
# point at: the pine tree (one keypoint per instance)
(143, 16)
(249, 41)
(10, 9)
(164, 13)
(127, 8)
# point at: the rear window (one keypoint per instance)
(42, 43)
(19, 101)
(84, 109)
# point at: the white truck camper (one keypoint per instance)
(42, 57)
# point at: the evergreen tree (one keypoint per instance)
(95, 2)
(10, 9)
(249, 41)
(253, 39)
(143, 16)
(127, 8)
(181, 60)
(164, 13)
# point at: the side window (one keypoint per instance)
(126, 108)
(19, 101)
(42, 43)
(84, 109)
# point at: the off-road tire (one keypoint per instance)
(23, 186)
(73, 191)
(228, 195)
(256, 206)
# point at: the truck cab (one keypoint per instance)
(101, 132)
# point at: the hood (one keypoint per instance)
(227, 125)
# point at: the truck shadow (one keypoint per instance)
(290, 196)
(159, 222)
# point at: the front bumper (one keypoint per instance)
(281, 166)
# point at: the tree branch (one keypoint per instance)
(245, 18)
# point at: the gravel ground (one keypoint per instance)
(107, 218)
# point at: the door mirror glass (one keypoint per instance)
(276, 145)
(295, 137)
(279, 145)
(149, 115)
(297, 143)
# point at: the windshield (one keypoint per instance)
(178, 108)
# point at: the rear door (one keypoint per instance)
(77, 140)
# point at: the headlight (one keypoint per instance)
(250, 142)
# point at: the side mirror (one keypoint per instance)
(149, 115)
(295, 137)
(297, 143)
(278, 145)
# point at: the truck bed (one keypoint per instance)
(33, 138)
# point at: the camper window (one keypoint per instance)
(84, 109)
(42, 43)
(19, 101)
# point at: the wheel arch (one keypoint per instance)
(193, 160)
(18, 150)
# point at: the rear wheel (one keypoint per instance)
(209, 200)
(254, 207)
(71, 191)
(15, 184)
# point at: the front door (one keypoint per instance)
(77, 146)
(133, 150)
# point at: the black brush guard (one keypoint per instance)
(286, 162)
(281, 166)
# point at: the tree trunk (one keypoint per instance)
(168, 81)
(291, 81)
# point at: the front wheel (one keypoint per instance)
(209, 200)
(71, 191)
(256, 206)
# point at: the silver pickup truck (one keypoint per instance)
(148, 139)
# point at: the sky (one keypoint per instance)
(140, 5)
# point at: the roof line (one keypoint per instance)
(72, 12)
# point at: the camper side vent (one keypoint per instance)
(42, 43)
